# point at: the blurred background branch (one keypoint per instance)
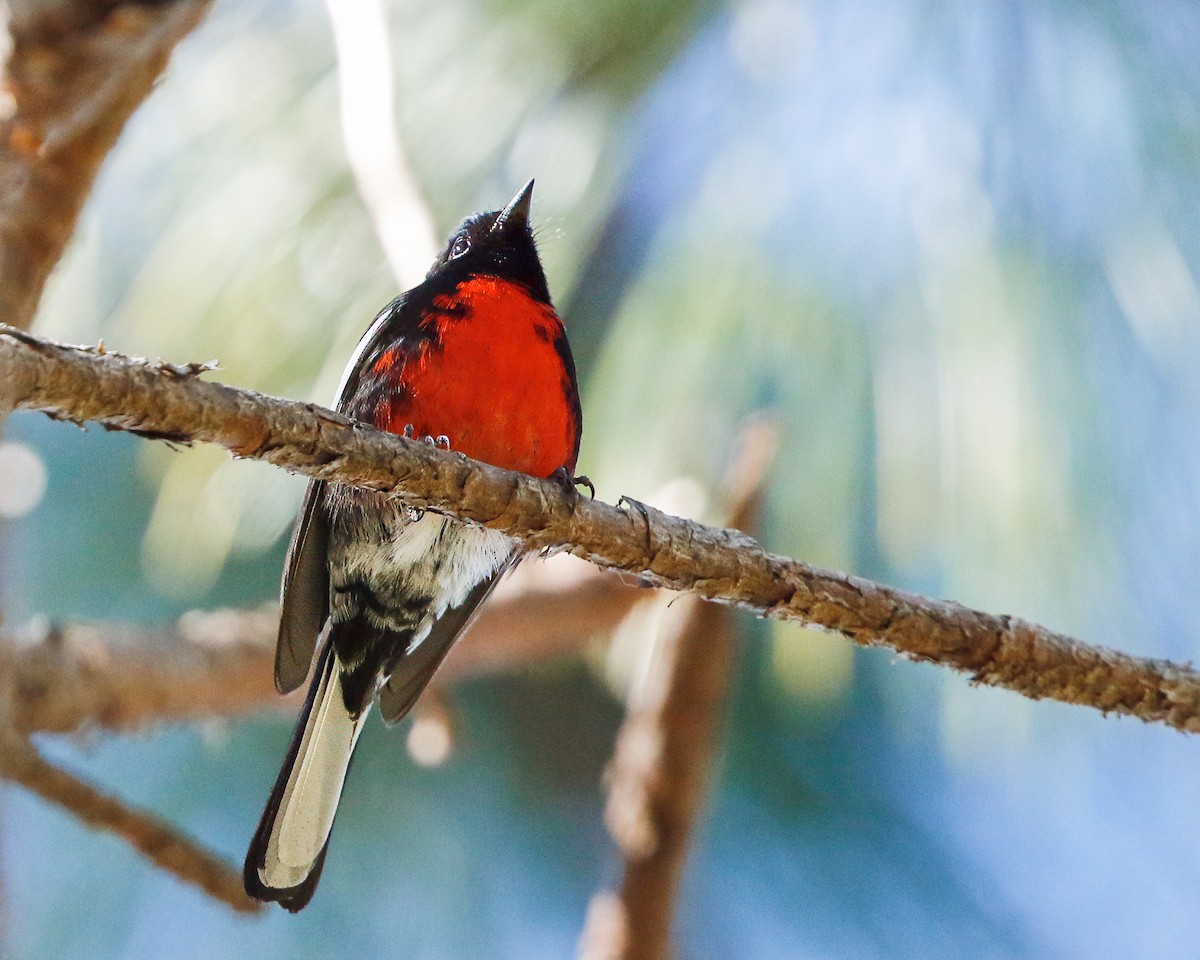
(385, 180)
(665, 749)
(161, 843)
(126, 677)
(74, 74)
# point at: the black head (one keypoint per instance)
(498, 243)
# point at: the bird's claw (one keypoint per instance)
(441, 441)
(565, 479)
(584, 481)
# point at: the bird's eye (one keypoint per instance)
(461, 245)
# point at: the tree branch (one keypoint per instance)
(171, 402)
(75, 74)
(385, 181)
(660, 768)
(218, 664)
(155, 839)
(126, 678)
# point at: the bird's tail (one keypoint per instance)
(288, 850)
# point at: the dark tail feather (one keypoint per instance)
(288, 850)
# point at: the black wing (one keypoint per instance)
(413, 671)
(393, 325)
(304, 595)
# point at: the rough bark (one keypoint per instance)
(170, 402)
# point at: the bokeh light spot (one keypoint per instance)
(22, 480)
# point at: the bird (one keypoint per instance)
(476, 359)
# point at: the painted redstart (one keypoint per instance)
(474, 358)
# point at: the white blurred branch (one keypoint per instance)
(385, 181)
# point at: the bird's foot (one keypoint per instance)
(441, 441)
(565, 479)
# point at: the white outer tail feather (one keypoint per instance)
(314, 786)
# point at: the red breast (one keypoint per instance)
(492, 377)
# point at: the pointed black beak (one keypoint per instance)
(516, 214)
